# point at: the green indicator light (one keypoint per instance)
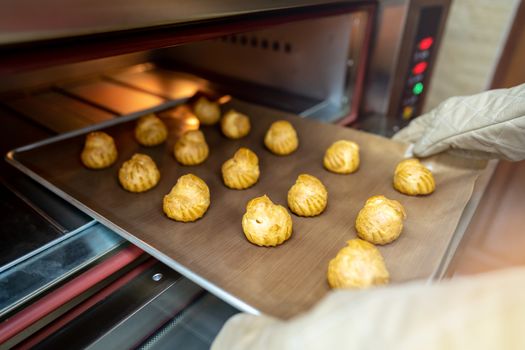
(417, 89)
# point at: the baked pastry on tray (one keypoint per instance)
(413, 178)
(265, 223)
(139, 173)
(99, 150)
(281, 138)
(342, 157)
(358, 265)
(188, 200)
(308, 196)
(380, 221)
(191, 148)
(241, 171)
(235, 125)
(150, 130)
(208, 112)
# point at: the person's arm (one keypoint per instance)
(484, 312)
(487, 125)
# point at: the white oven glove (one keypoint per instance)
(487, 125)
(481, 312)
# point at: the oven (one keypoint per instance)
(66, 279)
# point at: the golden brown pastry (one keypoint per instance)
(139, 173)
(150, 130)
(265, 223)
(235, 125)
(308, 196)
(358, 265)
(191, 148)
(342, 157)
(207, 111)
(188, 200)
(99, 150)
(241, 171)
(281, 138)
(413, 178)
(380, 221)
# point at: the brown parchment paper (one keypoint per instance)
(290, 278)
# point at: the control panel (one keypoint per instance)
(416, 80)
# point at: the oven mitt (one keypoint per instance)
(482, 312)
(487, 125)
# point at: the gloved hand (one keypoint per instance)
(487, 125)
(481, 312)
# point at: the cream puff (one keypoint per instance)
(342, 157)
(235, 125)
(241, 171)
(281, 138)
(358, 265)
(150, 130)
(188, 200)
(413, 178)
(265, 223)
(191, 148)
(308, 196)
(99, 150)
(380, 221)
(208, 112)
(139, 174)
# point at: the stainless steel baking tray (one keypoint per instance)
(213, 251)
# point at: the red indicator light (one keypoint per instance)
(425, 43)
(419, 68)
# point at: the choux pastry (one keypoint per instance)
(413, 178)
(208, 112)
(235, 125)
(281, 138)
(139, 173)
(308, 196)
(188, 200)
(380, 221)
(241, 171)
(358, 265)
(191, 148)
(150, 130)
(266, 223)
(99, 150)
(342, 157)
